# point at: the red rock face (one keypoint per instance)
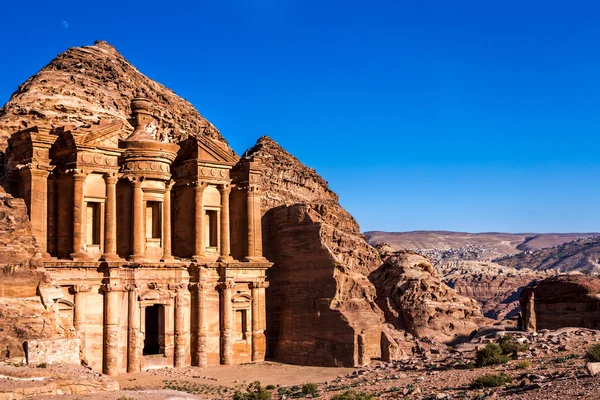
(415, 299)
(563, 301)
(87, 84)
(320, 304)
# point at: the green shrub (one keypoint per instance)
(309, 389)
(563, 359)
(491, 354)
(353, 395)
(512, 347)
(525, 364)
(593, 353)
(490, 381)
(270, 387)
(42, 365)
(254, 391)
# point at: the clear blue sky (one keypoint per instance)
(458, 115)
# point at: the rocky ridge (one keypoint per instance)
(582, 255)
(87, 84)
(414, 298)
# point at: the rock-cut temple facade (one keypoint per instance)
(153, 248)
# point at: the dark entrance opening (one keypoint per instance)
(155, 330)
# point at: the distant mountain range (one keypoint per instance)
(487, 245)
(493, 267)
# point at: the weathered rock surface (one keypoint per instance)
(18, 247)
(414, 298)
(320, 305)
(562, 301)
(581, 255)
(87, 84)
(495, 287)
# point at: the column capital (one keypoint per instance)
(226, 285)
(224, 188)
(81, 288)
(200, 185)
(202, 285)
(178, 287)
(112, 287)
(259, 285)
(111, 177)
(253, 189)
(169, 184)
(35, 169)
(77, 174)
(130, 287)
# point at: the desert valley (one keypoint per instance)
(142, 258)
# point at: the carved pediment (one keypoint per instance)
(204, 149)
(103, 136)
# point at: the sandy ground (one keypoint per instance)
(268, 373)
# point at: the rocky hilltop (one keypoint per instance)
(319, 300)
(87, 84)
(581, 255)
(415, 299)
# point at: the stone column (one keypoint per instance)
(180, 331)
(254, 225)
(258, 320)
(38, 206)
(133, 329)
(80, 297)
(199, 222)
(227, 323)
(78, 181)
(167, 223)
(139, 232)
(110, 219)
(112, 293)
(201, 356)
(225, 190)
(530, 317)
(51, 213)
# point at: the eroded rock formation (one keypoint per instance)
(85, 85)
(320, 305)
(415, 299)
(562, 301)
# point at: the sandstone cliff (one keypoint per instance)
(414, 298)
(562, 301)
(320, 305)
(87, 84)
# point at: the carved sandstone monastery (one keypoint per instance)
(135, 235)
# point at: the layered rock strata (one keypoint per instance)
(320, 304)
(415, 299)
(88, 84)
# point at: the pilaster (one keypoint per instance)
(78, 187)
(258, 320)
(112, 294)
(226, 322)
(110, 219)
(225, 190)
(133, 329)
(167, 222)
(139, 226)
(181, 334)
(199, 221)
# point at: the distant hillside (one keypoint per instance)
(487, 245)
(580, 255)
